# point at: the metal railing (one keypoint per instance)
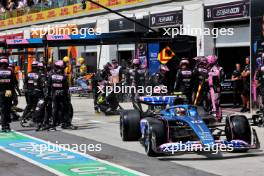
(43, 6)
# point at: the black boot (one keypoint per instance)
(243, 109)
(6, 129)
(45, 127)
(39, 127)
(69, 127)
(53, 128)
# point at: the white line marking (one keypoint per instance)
(95, 121)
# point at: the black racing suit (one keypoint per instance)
(184, 83)
(95, 79)
(157, 80)
(39, 113)
(200, 75)
(201, 87)
(246, 83)
(33, 90)
(237, 87)
(48, 103)
(14, 114)
(126, 77)
(7, 82)
(59, 92)
(138, 78)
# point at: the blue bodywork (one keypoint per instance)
(187, 115)
(194, 121)
(192, 118)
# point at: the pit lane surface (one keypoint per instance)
(13, 166)
(98, 129)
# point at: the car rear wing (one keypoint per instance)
(161, 100)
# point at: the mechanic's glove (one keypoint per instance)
(8, 93)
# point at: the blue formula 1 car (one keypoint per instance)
(167, 127)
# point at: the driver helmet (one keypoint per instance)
(180, 111)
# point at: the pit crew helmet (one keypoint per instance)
(59, 65)
(212, 59)
(41, 66)
(34, 65)
(81, 60)
(4, 62)
(136, 62)
(66, 59)
(184, 61)
(164, 69)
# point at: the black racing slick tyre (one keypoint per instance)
(238, 128)
(130, 125)
(154, 136)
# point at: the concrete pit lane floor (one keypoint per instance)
(99, 129)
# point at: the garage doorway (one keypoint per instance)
(125, 58)
(229, 57)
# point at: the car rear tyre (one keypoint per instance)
(238, 128)
(130, 125)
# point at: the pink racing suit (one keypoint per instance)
(215, 90)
